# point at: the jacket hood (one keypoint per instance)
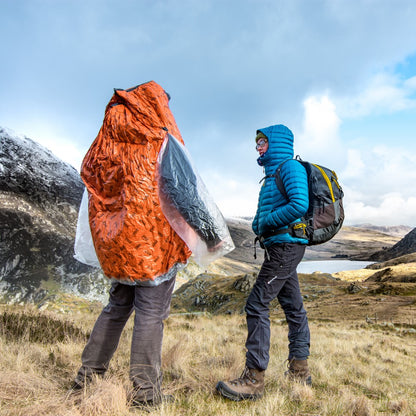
(280, 140)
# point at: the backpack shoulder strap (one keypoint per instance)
(279, 181)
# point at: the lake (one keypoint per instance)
(330, 266)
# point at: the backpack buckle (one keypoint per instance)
(299, 230)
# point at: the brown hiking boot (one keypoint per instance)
(298, 370)
(249, 386)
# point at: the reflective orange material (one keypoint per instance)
(132, 238)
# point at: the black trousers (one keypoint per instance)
(277, 278)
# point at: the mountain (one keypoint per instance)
(406, 245)
(39, 200)
(396, 230)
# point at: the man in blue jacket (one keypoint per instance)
(278, 277)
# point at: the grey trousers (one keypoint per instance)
(277, 278)
(151, 306)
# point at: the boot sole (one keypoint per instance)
(232, 395)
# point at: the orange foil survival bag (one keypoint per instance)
(132, 238)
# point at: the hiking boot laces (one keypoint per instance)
(245, 378)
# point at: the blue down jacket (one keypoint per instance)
(274, 211)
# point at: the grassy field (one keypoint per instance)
(358, 368)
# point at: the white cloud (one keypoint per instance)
(233, 196)
(380, 186)
(319, 139)
(355, 165)
(379, 181)
(394, 209)
(321, 120)
(410, 84)
(385, 94)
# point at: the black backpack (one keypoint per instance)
(325, 214)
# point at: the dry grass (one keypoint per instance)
(357, 370)
(396, 271)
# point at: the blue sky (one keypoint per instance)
(340, 73)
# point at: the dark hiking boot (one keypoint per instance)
(249, 386)
(298, 370)
(146, 403)
(75, 386)
(82, 381)
(79, 384)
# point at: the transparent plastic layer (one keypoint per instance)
(188, 206)
(84, 246)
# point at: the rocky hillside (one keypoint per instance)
(39, 200)
(326, 298)
(407, 245)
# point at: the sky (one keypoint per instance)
(341, 74)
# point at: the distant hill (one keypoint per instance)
(396, 261)
(406, 245)
(396, 230)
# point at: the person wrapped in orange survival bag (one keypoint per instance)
(132, 238)
(134, 242)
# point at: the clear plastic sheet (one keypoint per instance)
(84, 246)
(188, 206)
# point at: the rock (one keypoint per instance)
(245, 283)
(354, 288)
